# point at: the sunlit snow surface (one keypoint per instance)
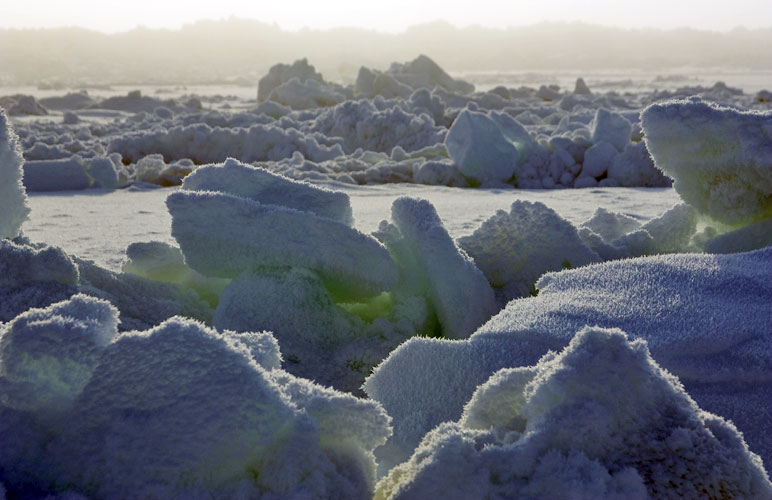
(99, 225)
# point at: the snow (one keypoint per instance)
(222, 235)
(258, 330)
(513, 249)
(14, 208)
(430, 263)
(239, 179)
(720, 158)
(705, 319)
(598, 420)
(222, 421)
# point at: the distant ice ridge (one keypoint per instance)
(598, 420)
(705, 318)
(410, 123)
(178, 411)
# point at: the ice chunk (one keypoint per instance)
(56, 175)
(720, 158)
(14, 207)
(33, 277)
(634, 167)
(705, 318)
(599, 420)
(103, 172)
(312, 330)
(513, 249)
(611, 127)
(282, 73)
(297, 94)
(159, 261)
(220, 424)
(581, 88)
(236, 178)
(482, 152)
(48, 354)
(222, 235)
(20, 104)
(428, 257)
(751, 237)
(424, 72)
(611, 225)
(598, 159)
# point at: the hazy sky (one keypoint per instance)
(386, 15)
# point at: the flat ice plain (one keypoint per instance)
(552, 289)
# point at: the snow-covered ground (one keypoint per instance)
(318, 304)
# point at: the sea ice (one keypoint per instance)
(514, 249)
(238, 179)
(222, 235)
(705, 318)
(720, 158)
(431, 263)
(14, 208)
(601, 419)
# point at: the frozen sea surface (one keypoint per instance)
(100, 224)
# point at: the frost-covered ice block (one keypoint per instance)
(428, 256)
(142, 302)
(14, 208)
(238, 179)
(513, 249)
(483, 153)
(671, 232)
(747, 238)
(222, 235)
(601, 419)
(612, 128)
(103, 172)
(307, 94)
(611, 225)
(282, 73)
(181, 411)
(720, 158)
(295, 306)
(705, 317)
(598, 159)
(56, 175)
(424, 72)
(33, 277)
(159, 261)
(48, 354)
(633, 167)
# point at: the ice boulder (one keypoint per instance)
(20, 104)
(633, 167)
(598, 159)
(371, 83)
(611, 127)
(611, 225)
(306, 94)
(430, 261)
(747, 238)
(424, 72)
(222, 235)
(159, 261)
(316, 335)
(47, 355)
(56, 175)
(514, 249)
(581, 87)
(705, 318)
(33, 277)
(483, 154)
(601, 419)
(720, 158)
(282, 73)
(239, 179)
(14, 208)
(190, 413)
